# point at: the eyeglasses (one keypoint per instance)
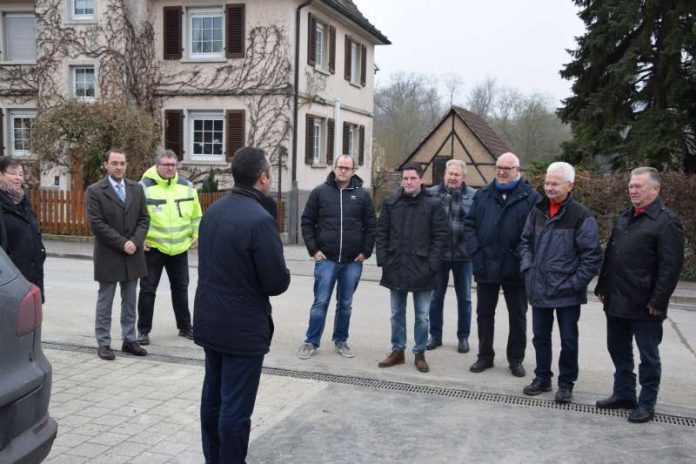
(506, 168)
(344, 169)
(168, 165)
(555, 184)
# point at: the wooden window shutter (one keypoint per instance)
(346, 71)
(361, 145)
(363, 65)
(2, 134)
(234, 30)
(311, 40)
(171, 32)
(330, 127)
(174, 132)
(234, 120)
(309, 140)
(332, 49)
(346, 138)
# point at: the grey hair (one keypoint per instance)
(164, 154)
(344, 156)
(653, 174)
(456, 162)
(568, 170)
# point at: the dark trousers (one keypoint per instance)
(178, 273)
(516, 301)
(542, 324)
(227, 401)
(461, 270)
(648, 335)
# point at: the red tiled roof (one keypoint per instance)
(483, 131)
(351, 11)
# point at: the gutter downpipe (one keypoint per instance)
(294, 194)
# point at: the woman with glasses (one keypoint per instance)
(19, 233)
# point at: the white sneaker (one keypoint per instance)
(306, 351)
(344, 350)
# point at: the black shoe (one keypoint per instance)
(613, 402)
(463, 346)
(133, 348)
(433, 343)
(537, 387)
(186, 333)
(640, 415)
(481, 365)
(564, 395)
(143, 339)
(517, 370)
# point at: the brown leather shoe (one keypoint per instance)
(105, 352)
(133, 348)
(394, 358)
(420, 363)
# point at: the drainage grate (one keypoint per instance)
(410, 388)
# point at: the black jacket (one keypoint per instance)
(642, 262)
(22, 240)
(240, 265)
(411, 234)
(340, 223)
(559, 255)
(493, 230)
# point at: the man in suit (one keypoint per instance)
(119, 221)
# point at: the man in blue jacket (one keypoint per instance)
(560, 253)
(240, 265)
(493, 228)
(338, 227)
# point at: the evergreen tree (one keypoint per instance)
(634, 87)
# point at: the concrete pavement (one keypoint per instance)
(331, 409)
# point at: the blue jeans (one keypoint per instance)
(648, 334)
(462, 287)
(421, 304)
(227, 401)
(542, 324)
(328, 273)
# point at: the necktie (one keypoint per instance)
(121, 193)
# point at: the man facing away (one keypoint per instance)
(338, 227)
(119, 221)
(493, 229)
(240, 266)
(172, 203)
(560, 253)
(641, 269)
(456, 199)
(411, 234)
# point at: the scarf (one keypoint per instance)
(15, 194)
(507, 188)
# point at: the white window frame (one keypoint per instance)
(352, 140)
(192, 13)
(12, 115)
(318, 143)
(81, 16)
(205, 115)
(4, 43)
(355, 62)
(321, 54)
(73, 81)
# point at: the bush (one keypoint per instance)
(76, 135)
(606, 196)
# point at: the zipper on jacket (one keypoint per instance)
(340, 240)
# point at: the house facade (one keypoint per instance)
(295, 78)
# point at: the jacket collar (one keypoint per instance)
(152, 174)
(355, 181)
(653, 210)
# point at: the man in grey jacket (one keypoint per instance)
(456, 198)
(560, 253)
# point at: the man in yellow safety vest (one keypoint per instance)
(175, 213)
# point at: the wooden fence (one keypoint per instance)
(63, 212)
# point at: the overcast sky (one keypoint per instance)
(522, 44)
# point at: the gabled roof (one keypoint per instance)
(348, 9)
(483, 131)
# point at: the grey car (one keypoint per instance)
(26, 429)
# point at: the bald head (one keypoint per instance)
(507, 168)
